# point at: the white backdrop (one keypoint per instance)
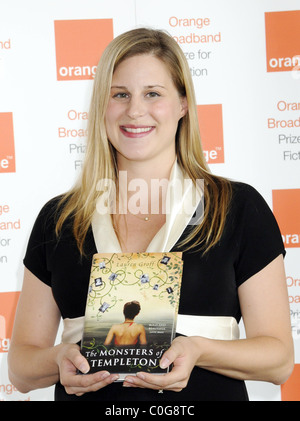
(43, 119)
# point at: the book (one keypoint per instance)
(131, 311)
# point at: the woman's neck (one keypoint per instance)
(143, 186)
(156, 168)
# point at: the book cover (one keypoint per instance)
(131, 311)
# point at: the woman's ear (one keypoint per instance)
(184, 106)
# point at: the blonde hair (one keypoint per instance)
(100, 162)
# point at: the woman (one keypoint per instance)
(143, 123)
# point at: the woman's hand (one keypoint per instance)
(183, 354)
(69, 360)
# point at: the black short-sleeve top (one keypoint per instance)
(250, 241)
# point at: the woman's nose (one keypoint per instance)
(136, 108)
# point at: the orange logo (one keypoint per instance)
(79, 45)
(8, 305)
(7, 147)
(286, 208)
(290, 391)
(282, 40)
(211, 130)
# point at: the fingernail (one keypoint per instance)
(164, 363)
(140, 376)
(84, 368)
(104, 375)
(126, 384)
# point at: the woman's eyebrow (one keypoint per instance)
(145, 87)
(155, 86)
(118, 87)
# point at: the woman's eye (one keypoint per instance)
(153, 94)
(120, 95)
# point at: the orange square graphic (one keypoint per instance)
(79, 45)
(211, 129)
(7, 146)
(282, 40)
(286, 208)
(8, 305)
(290, 391)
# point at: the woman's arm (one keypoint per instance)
(266, 316)
(266, 354)
(33, 360)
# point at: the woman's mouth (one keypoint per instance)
(136, 131)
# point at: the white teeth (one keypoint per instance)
(137, 130)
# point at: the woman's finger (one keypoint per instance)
(90, 382)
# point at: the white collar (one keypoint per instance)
(182, 199)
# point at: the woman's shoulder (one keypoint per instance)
(53, 203)
(47, 216)
(241, 189)
(51, 208)
(245, 194)
(248, 204)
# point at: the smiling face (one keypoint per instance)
(143, 111)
